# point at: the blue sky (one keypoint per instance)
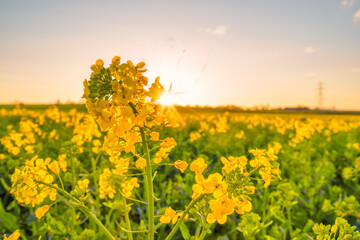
(214, 52)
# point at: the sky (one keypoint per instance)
(246, 53)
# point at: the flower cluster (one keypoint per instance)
(26, 182)
(24, 138)
(340, 230)
(166, 146)
(114, 180)
(211, 125)
(230, 191)
(85, 131)
(265, 161)
(352, 173)
(118, 98)
(170, 215)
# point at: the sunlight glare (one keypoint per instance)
(167, 99)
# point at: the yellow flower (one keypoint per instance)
(194, 136)
(24, 188)
(54, 167)
(165, 148)
(198, 165)
(140, 65)
(115, 61)
(242, 206)
(100, 62)
(40, 212)
(276, 146)
(96, 144)
(170, 215)
(271, 154)
(106, 189)
(215, 185)
(220, 209)
(113, 113)
(181, 165)
(140, 163)
(14, 236)
(83, 183)
(234, 162)
(128, 186)
(199, 178)
(29, 149)
(62, 162)
(154, 136)
(197, 190)
(156, 90)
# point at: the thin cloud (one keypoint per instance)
(356, 16)
(219, 30)
(310, 50)
(348, 3)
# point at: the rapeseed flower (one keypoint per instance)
(14, 236)
(83, 183)
(40, 212)
(181, 165)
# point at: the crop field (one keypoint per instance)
(127, 167)
(180, 120)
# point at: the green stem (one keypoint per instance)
(147, 179)
(6, 187)
(289, 220)
(82, 207)
(63, 192)
(127, 220)
(204, 232)
(148, 186)
(33, 224)
(134, 174)
(97, 221)
(73, 172)
(93, 166)
(132, 199)
(264, 212)
(177, 225)
(62, 184)
(73, 214)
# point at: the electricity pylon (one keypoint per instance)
(320, 95)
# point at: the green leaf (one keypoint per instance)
(185, 231)
(7, 220)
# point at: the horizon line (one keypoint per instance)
(268, 107)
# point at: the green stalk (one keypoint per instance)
(289, 220)
(63, 192)
(73, 214)
(127, 220)
(177, 225)
(204, 232)
(82, 207)
(93, 167)
(265, 202)
(148, 179)
(33, 224)
(97, 221)
(148, 186)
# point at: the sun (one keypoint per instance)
(167, 99)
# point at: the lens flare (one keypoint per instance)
(167, 99)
